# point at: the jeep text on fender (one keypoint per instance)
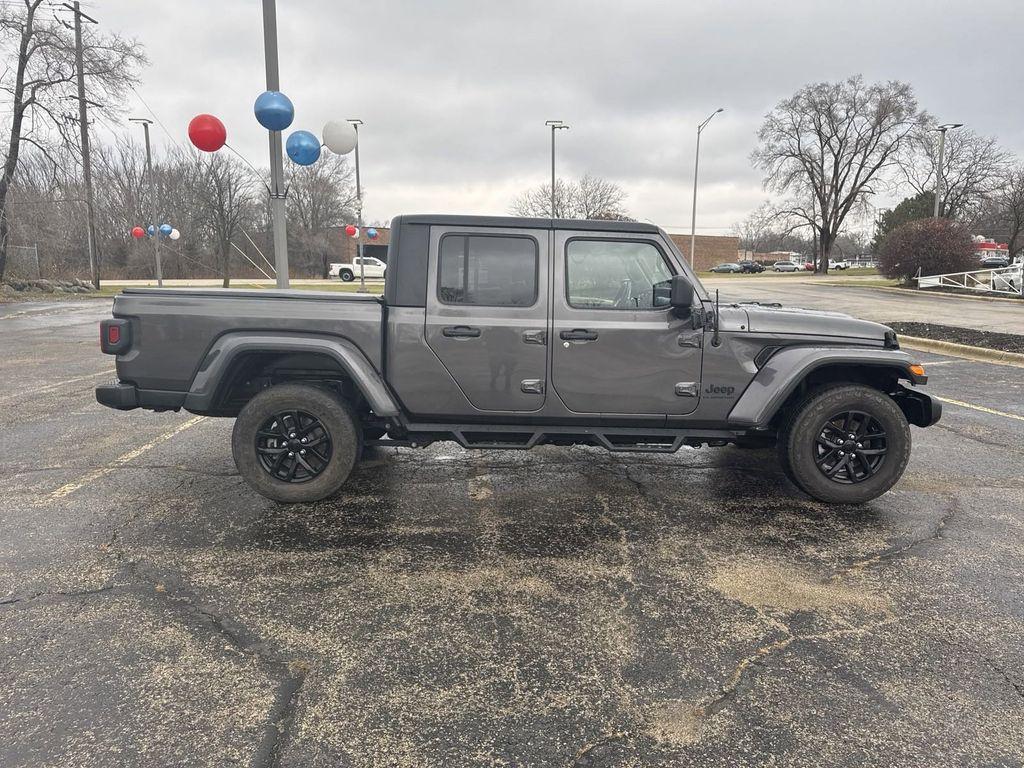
(510, 333)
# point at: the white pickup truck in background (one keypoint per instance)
(372, 268)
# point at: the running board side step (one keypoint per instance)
(617, 439)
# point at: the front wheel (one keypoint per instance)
(845, 444)
(296, 443)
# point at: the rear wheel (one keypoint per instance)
(346, 275)
(845, 444)
(296, 443)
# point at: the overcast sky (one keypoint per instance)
(454, 93)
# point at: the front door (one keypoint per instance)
(616, 347)
(487, 314)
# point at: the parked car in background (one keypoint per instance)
(785, 266)
(995, 262)
(371, 267)
(728, 267)
(838, 264)
(809, 266)
(750, 266)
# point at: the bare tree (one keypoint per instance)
(42, 76)
(973, 169)
(589, 198)
(320, 196)
(756, 228)
(830, 145)
(228, 192)
(1010, 205)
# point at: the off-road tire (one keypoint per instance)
(347, 275)
(336, 417)
(804, 422)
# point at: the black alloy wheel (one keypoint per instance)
(851, 447)
(293, 446)
(844, 443)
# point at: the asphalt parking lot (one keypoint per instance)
(553, 607)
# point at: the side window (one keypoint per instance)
(488, 271)
(615, 274)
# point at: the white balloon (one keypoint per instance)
(175, 234)
(340, 137)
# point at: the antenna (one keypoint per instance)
(715, 341)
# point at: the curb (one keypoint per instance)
(980, 354)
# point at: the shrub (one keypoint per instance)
(931, 246)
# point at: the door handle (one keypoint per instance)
(578, 334)
(461, 332)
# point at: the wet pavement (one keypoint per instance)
(452, 608)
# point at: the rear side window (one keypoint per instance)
(488, 271)
(616, 274)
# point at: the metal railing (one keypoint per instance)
(1004, 280)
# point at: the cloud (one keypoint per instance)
(454, 94)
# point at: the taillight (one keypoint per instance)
(115, 336)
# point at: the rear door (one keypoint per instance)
(616, 347)
(487, 313)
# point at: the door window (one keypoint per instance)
(616, 274)
(488, 271)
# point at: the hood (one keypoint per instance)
(772, 318)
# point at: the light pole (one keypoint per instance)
(355, 123)
(938, 168)
(152, 196)
(278, 193)
(555, 126)
(696, 166)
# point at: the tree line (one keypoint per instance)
(217, 202)
(828, 150)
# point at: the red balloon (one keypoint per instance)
(207, 133)
(350, 230)
(138, 233)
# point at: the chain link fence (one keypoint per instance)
(23, 262)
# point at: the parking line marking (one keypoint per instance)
(68, 488)
(981, 408)
(58, 385)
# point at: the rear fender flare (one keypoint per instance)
(227, 349)
(787, 368)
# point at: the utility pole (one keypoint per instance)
(152, 195)
(696, 166)
(355, 123)
(939, 167)
(83, 122)
(555, 126)
(278, 192)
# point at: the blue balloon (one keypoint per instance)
(303, 148)
(151, 230)
(166, 229)
(371, 233)
(274, 110)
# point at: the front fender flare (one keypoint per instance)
(787, 368)
(228, 347)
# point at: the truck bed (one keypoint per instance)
(174, 328)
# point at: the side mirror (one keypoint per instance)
(681, 297)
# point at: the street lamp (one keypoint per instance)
(355, 123)
(555, 126)
(152, 194)
(938, 168)
(696, 166)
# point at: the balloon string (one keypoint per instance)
(244, 160)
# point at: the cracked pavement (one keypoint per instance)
(451, 608)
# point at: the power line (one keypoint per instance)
(155, 117)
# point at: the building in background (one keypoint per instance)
(711, 249)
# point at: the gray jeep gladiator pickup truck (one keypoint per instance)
(511, 333)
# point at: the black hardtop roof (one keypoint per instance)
(514, 222)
